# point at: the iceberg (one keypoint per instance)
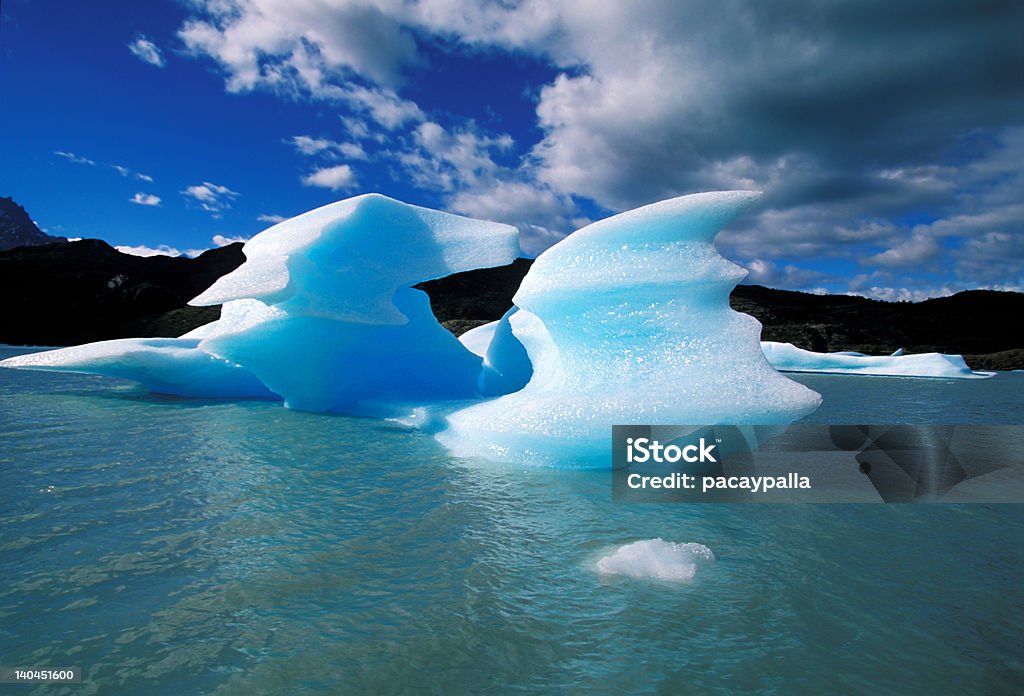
(322, 314)
(788, 358)
(627, 321)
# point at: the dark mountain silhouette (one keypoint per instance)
(76, 292)
(17, 228)
(980, 324)
(970, 322)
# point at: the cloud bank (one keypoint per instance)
(887, 136)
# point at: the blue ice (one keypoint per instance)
(627, 321)
(322, 314)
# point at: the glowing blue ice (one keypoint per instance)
(628, 321)
(507, 366)
(625, 321)
(322, 313)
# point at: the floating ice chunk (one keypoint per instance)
(162, 365)
(350, 335)
(322, 313)
(656, 559)
(628, 321)
(789, 358)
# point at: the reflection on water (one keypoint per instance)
(170, 546)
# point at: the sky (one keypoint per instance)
(887, 137)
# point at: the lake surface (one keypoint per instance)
(171, 546)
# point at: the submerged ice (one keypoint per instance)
(628, 321)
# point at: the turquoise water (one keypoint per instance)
(191, 547)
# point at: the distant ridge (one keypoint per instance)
(982, 325)
(76, 292)
(17, 228)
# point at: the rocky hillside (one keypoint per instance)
(17, 228)
(64, 294)
(974, 323)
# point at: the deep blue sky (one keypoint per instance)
(888, 140)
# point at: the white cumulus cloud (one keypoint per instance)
(145, 199)
(333, 178)
(220, 240)
(143, 250)
(159, 250)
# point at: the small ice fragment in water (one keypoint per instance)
(657, 559)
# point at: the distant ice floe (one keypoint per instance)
(656, 559)
(788, 358)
